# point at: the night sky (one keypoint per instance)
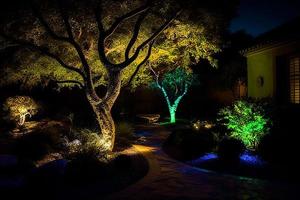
(259, 16)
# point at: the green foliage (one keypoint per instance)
(246, 121)
(178, 79)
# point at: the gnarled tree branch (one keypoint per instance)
(104, 34)
(98, 13)
(127, 62)
(136, 31)
(101, 37)
(141, 64)
(42, 50)
(71, 81)
(44, 23)
(70, 39)
(128, 15)
(86, 67)
(150, 39)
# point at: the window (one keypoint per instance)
(295, 80)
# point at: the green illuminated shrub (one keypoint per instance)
(246, 122)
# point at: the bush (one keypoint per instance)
(230, 149)
(246, 121)
(187, 144)
(89, 144)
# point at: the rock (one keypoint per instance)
(151, 118)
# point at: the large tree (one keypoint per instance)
(109, 42)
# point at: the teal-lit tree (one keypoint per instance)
(246, 122)
(174, 86)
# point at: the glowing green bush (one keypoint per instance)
(246, 121)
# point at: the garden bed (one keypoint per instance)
(199, 149)
(35, 163)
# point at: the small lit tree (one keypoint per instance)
(20, 107)
(246, 121)
(174, 86)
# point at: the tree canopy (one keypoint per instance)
(90, 43)
(191, 36)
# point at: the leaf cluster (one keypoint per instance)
(246, 122)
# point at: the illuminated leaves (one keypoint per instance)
(19, 106)
(176, 81)
(246, 121)
(183, 43)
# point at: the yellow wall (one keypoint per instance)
(262, 62)
(260, 65)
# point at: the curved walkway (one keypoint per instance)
(170, 179)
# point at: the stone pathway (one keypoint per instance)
(170, 179)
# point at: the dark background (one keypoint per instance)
(259, 16)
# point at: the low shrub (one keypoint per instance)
(90, 143)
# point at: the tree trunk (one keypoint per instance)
(102, 109)
(173, 108)
(172, 111)
(106, 124)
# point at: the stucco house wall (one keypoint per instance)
(261, 62)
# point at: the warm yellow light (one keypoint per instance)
(202, 124)
(19, 108)
(208, 125)
(197, 125)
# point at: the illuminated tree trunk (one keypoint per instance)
(106, 124)
(102, 109)
(173, 107)
(172, 112)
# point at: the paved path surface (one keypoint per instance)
(170, 179)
